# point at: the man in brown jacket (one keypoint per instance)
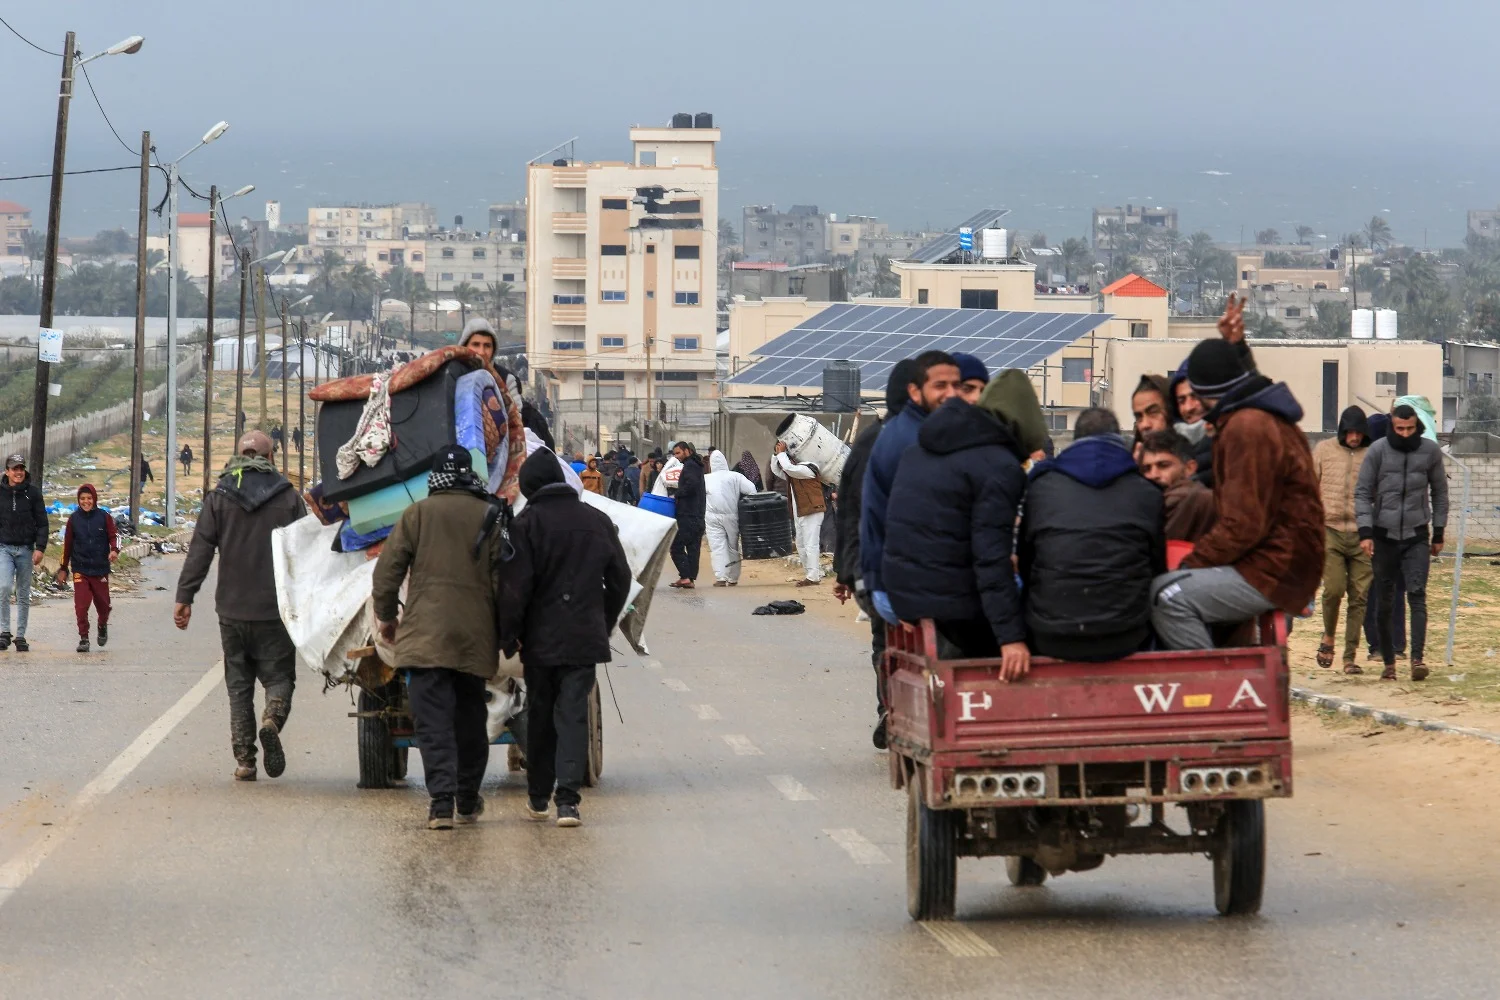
(1346, 568)
(446, 641)
(1266, 550)
(1167, 460)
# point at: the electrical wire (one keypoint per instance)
(100, 105)
(72, 173)
(13, 31)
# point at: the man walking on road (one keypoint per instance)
(560, 596)
(185, 456)
(808, 508)
(1403, 488)
(90, 546)
(692, 500)
(23, 539)
(1346, 567)
(446, 640)
(250, 501)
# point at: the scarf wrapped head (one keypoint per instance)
(453, 471)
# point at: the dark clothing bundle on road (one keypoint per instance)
(250, 502)
(780, 608)
(1091, 541)
(23, 515)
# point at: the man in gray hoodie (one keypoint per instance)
(1400, 509)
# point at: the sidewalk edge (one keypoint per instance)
(1386, 717)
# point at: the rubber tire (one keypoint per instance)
(398, 762)
(1240, 861)
(1024, 872)
(596, 740)
(375, 751)
(931, 858)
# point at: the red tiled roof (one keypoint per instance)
(1135, 286)
(193, 219)
(11, 208)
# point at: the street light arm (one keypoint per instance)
(127, 46)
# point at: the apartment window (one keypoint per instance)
(447, 253)
(604, 376)
(687, 299)
(1293, 312)
(921, 296)
(608, 343)
(382, 256)
(1244, 275)
(1056, 421)
(685, 253)
(612, 250)
(684, 343)
(762, 227)
(479, 253)
(810, 226)
(567, 300)
(330, 234)
(446, 276)
(416, 256)
(676, 376)
(1075, 369)
(1396, 379)
(614, 204)
(611, 296)
(762, 242)
(843, 237)
(651, 248)
(567, 345)
(648, 157)
(1140, 330)
(979, 298)
(476, 275)
(507, 277)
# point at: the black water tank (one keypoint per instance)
(841, 387)
(766, 527)
(559, 163)
(703, 120)
(682, 120)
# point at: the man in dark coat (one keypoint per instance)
(560, 596)
(846, 556)
(250, 501)
(23, 538)
(692, 499)
(1091, 540)
(1187, 419)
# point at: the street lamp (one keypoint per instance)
(71, 58)
(173, 262)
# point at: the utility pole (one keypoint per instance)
(260, 339)
(318, 365)
(239, 367)
(138, 396)
(286, 434)
(302, 402)
(38, 457)
(174, 261)
(208, 340)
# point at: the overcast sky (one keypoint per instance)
(920, 112)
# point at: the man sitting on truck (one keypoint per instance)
(1167, 460)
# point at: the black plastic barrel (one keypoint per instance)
(841, 387)
(766, 527)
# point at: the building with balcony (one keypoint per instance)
(620, 268)
(797, 236)
(345, 229)
(15, 221)
(1470, 371)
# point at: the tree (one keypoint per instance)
(501, 297)
(1076, 257)
(410, 287)
(1331, 322)
(1038, 239)
(1305, 235)
(727, 236)
(1207, 264)
(113, 241)
(358, 286)
(326, 280)
(1355, 241)
(887, 284)
(1481, 414)
(1378, 233)
(1264, 327)
(466, 294)
(18, 296)
(1268, 237)
(1278, 258)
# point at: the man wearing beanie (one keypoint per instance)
(90, 545)
(973, 377)
(1265, 551)
(449, 547)
(559, 598)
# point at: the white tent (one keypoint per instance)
(226, 351)
(319, 363)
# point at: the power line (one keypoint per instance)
(71, 173)
(13, 31)
(86, 79)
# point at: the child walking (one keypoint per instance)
(90, 545)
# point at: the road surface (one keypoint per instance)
(745, 843)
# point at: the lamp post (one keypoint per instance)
(301, 390)
(70, 59)
(173, 262)
(214, 201)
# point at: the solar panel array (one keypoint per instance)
(935, 250)
(876, 337)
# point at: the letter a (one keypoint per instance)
(1247, 690)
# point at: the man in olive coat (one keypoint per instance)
(446, 637)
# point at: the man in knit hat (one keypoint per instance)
(973, 377)
(1265, 552)
(90, 546)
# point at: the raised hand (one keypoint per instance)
(1232, 323)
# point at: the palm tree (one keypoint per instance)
(326, 279)
(1305, 235)
(1412, 283)
(358, 287)
(1268, 237)
(1331, 323)
(501, 297)
(1075, 256)
(466, 294)
(1378, 233)
(1356, 241)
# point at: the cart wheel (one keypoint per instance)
(596, 740)
(1024, 871)
(398, 762)
(1240, 860)
(375, 751)
(931, 861)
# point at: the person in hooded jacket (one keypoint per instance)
(592, 476)
(687, 547)
(23, 538)
(250, 501)
(1380, 426)
(1265, 552)
(560, 596)
(1151, 407)
(724, 487)
(1187, 420)
(1092, 538)
(90, 546)
(951, 521)
(1346, 568)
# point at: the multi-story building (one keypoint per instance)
(508, 217)
(451, 259)
(345, 229)
(620, 274)
(1483, 222)
(192, 248)
(798, 236)
(1131, 218)
(1470, 370)
(15, 220)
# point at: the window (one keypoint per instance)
(611, 296)
(684, 343)
(1140, 329)
(604, 376)
(810, 226)
(1075, 369)
(330, 234)
(446, 276)
(612, 250)
(476, 275)
(687, 299)
(447, 253)
(567, 300)
(416, 256)
(614, 204)
(762, 227)
(1293, 312)
(507, 277)
(685, 253)
(762, 242)
(921, 296)
(648, 157)
(651, 248)
(1056, 421)
(606, 343)
(1396, 379)
(676, 376)
(843, 237)
(979, 298)
(1244, 275)
(382, 255)
(567, 345)
(479, 253)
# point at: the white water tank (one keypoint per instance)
(994, 245)
(1362, 324)
(1385, 324)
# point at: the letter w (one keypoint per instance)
(1152, 698)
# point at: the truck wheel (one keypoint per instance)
(398, 762)
(375, 751)
(596, 740)
(1024, 871)
(1240, 861)
(931, 860)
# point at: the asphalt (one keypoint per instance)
(745, 842)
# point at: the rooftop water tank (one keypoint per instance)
(682, 120)
(841, 387)
(1385, 324)
(995, 243)
(1362, 324)
(703, 120)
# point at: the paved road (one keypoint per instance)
(745, 843)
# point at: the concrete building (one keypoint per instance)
(449, 259)
(1132, 217)
(508, 217)
(843, 238)
(620, 272)
(1469, 372)
(1485, 222)
(797, 236)
(15, 220)
(192, 248)
(770, 279)
(346, 228)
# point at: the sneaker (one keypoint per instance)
(535, 811)
(878, 737)
(568, 816)
(472, 814)
(271, 750)
(440, 816)
(22, 646)
(103, 636)
(83, 644)
(1419, 672)
(245, 772)
(5, 638)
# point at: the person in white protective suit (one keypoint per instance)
(807, 507)
(724, 487)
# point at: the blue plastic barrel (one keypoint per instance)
(658, 504)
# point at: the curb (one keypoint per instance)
(1359, 710)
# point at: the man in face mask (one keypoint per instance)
(1188, 412)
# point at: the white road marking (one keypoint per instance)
(959, 940)
(742, 745)
(652, 663)
(790, 788)
(673, 684)
(16, 870)
(857, 847)
(707, 713)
